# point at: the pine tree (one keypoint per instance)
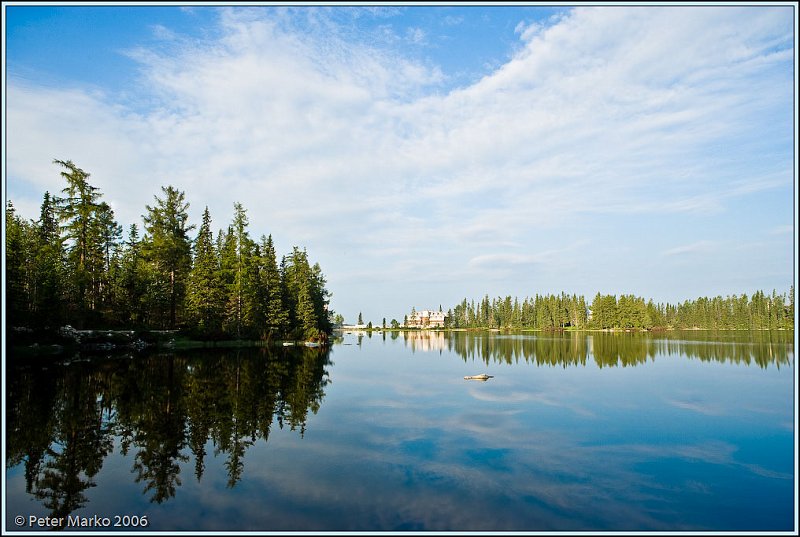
(205, 296)
(78, 210)
(275, 316)
(242, 307)
(168, 250)
(227, 267)
(299, 285)
(131, 282)
(109, 233)
(320, 297)
(48, 270)
(18, 235)
(306, 316)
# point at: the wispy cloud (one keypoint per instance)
(416, 36)
(693, 248)
(781, 230)
(450, 20)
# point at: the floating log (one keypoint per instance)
(479, 377)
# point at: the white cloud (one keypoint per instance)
(695, 247)
(416, 36)
(451, 20)
(782, 230)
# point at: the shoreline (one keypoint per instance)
(120, 341)
(67, 339)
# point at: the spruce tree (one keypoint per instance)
(132, 282)
(18, 247)
(275, 315)
(204, 296)
(78, 210)
(167, 248)
(49, 265)
(242, 305)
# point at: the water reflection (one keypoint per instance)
(63, 419)
(425, 341)
(608, 349)
(535, 449)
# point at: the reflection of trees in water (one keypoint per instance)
(151, 414)
(623, 349)
(59, 427)
(164, 408)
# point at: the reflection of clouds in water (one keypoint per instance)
(714, 452)
(550, 399)
(545, 478)
(474, 470)
(483, 423)
(703, 407)
(502, 397)
(544, 468)
(764, 472)
(434, 452)
(711, 452)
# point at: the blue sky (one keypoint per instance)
(423, 154)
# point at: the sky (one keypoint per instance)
(427, 154)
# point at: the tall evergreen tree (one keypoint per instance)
(131, 282)
(321, 298)
(78, 210)
(109, 233)
(275, 316)
(242, 307)
(205, 294)
(167, 248)
(19, 247)
(48, 299)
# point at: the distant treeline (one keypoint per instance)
(71, 266)
(550, 312)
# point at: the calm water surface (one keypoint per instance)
(583, 431)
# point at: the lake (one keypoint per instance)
(679, 431)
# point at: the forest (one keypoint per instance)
(72, 266)
(761, 311)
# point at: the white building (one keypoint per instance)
(425, 319)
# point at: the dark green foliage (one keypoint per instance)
(628, 312)
(306, 296)
(83, 274)
(82, 215)
(240, 263)
(205, 295)
(19, 263)
(131, 283)
(167, 249)
(48, 279)
(275, 318)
